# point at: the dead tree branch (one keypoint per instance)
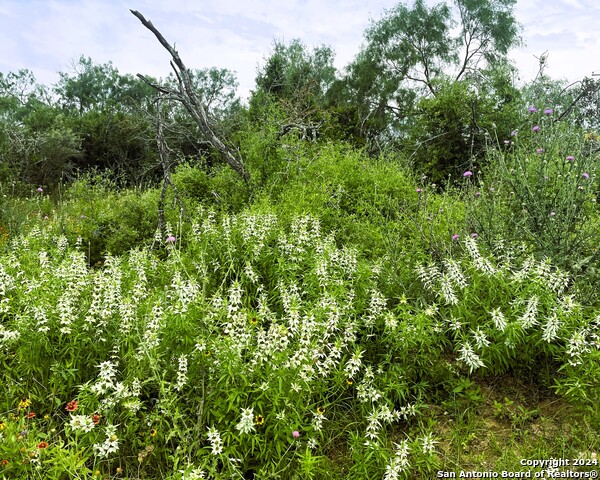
(165, 160)
(188, 97)
(583, 93)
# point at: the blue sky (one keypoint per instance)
(46, 36)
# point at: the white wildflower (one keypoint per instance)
(134, 405)
(62, 242)
(448, 290)
(106, 380)
(353, 365)
(111, 443)
(83, 423)
(281, 416)
(181, 373)
(528, 320)
(523, 273)
(498, 318)
(391, 322)
(468, 356)
(246, 424)
(568, 303)
(429, 276)
(377, 305)
(455, 275)
(480, 339)
(454, 323)
(7, 336)
(408, 410)
(319, 418)
(399, 462)
(250, 273)
(365, 391)
(550, 329)
(235, 299)
(380, 416)
(428, 444)
(577, 346)
(193, 474)
(373, 426)
(480, 263)
(214, 437)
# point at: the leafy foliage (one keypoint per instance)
(412, 54)
(337, 316)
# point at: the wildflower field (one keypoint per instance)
(360, 324)
(387, 271)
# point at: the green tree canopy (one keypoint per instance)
(292, 69)
(412, 50)
(92, 86)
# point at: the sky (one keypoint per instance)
(48, 36)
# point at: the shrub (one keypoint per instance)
(504, 314)
(538, 186)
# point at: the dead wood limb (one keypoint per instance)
(188, 97)
(582, 94)
(306, 131)
(165, 160)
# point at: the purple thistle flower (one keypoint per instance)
(585, 175)
(513, 133)
(419, 190)
(40, 190)
(570, 158)
(171, 239)
(535, 128)
(455, 237)
(548, 111)
(532, 109)
(468, 173)
(474, 235)
(477, 194)
(295, 434)
(539, 150)
(506, 142)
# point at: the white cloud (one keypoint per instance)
(45, 36)
(567, 30)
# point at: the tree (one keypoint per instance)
(412, 51)
(36, 145)
(488, 31)
(88, 86)
(20, 95)
(293, 68)
(92, 86)
(296, 81)
(215, 87)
